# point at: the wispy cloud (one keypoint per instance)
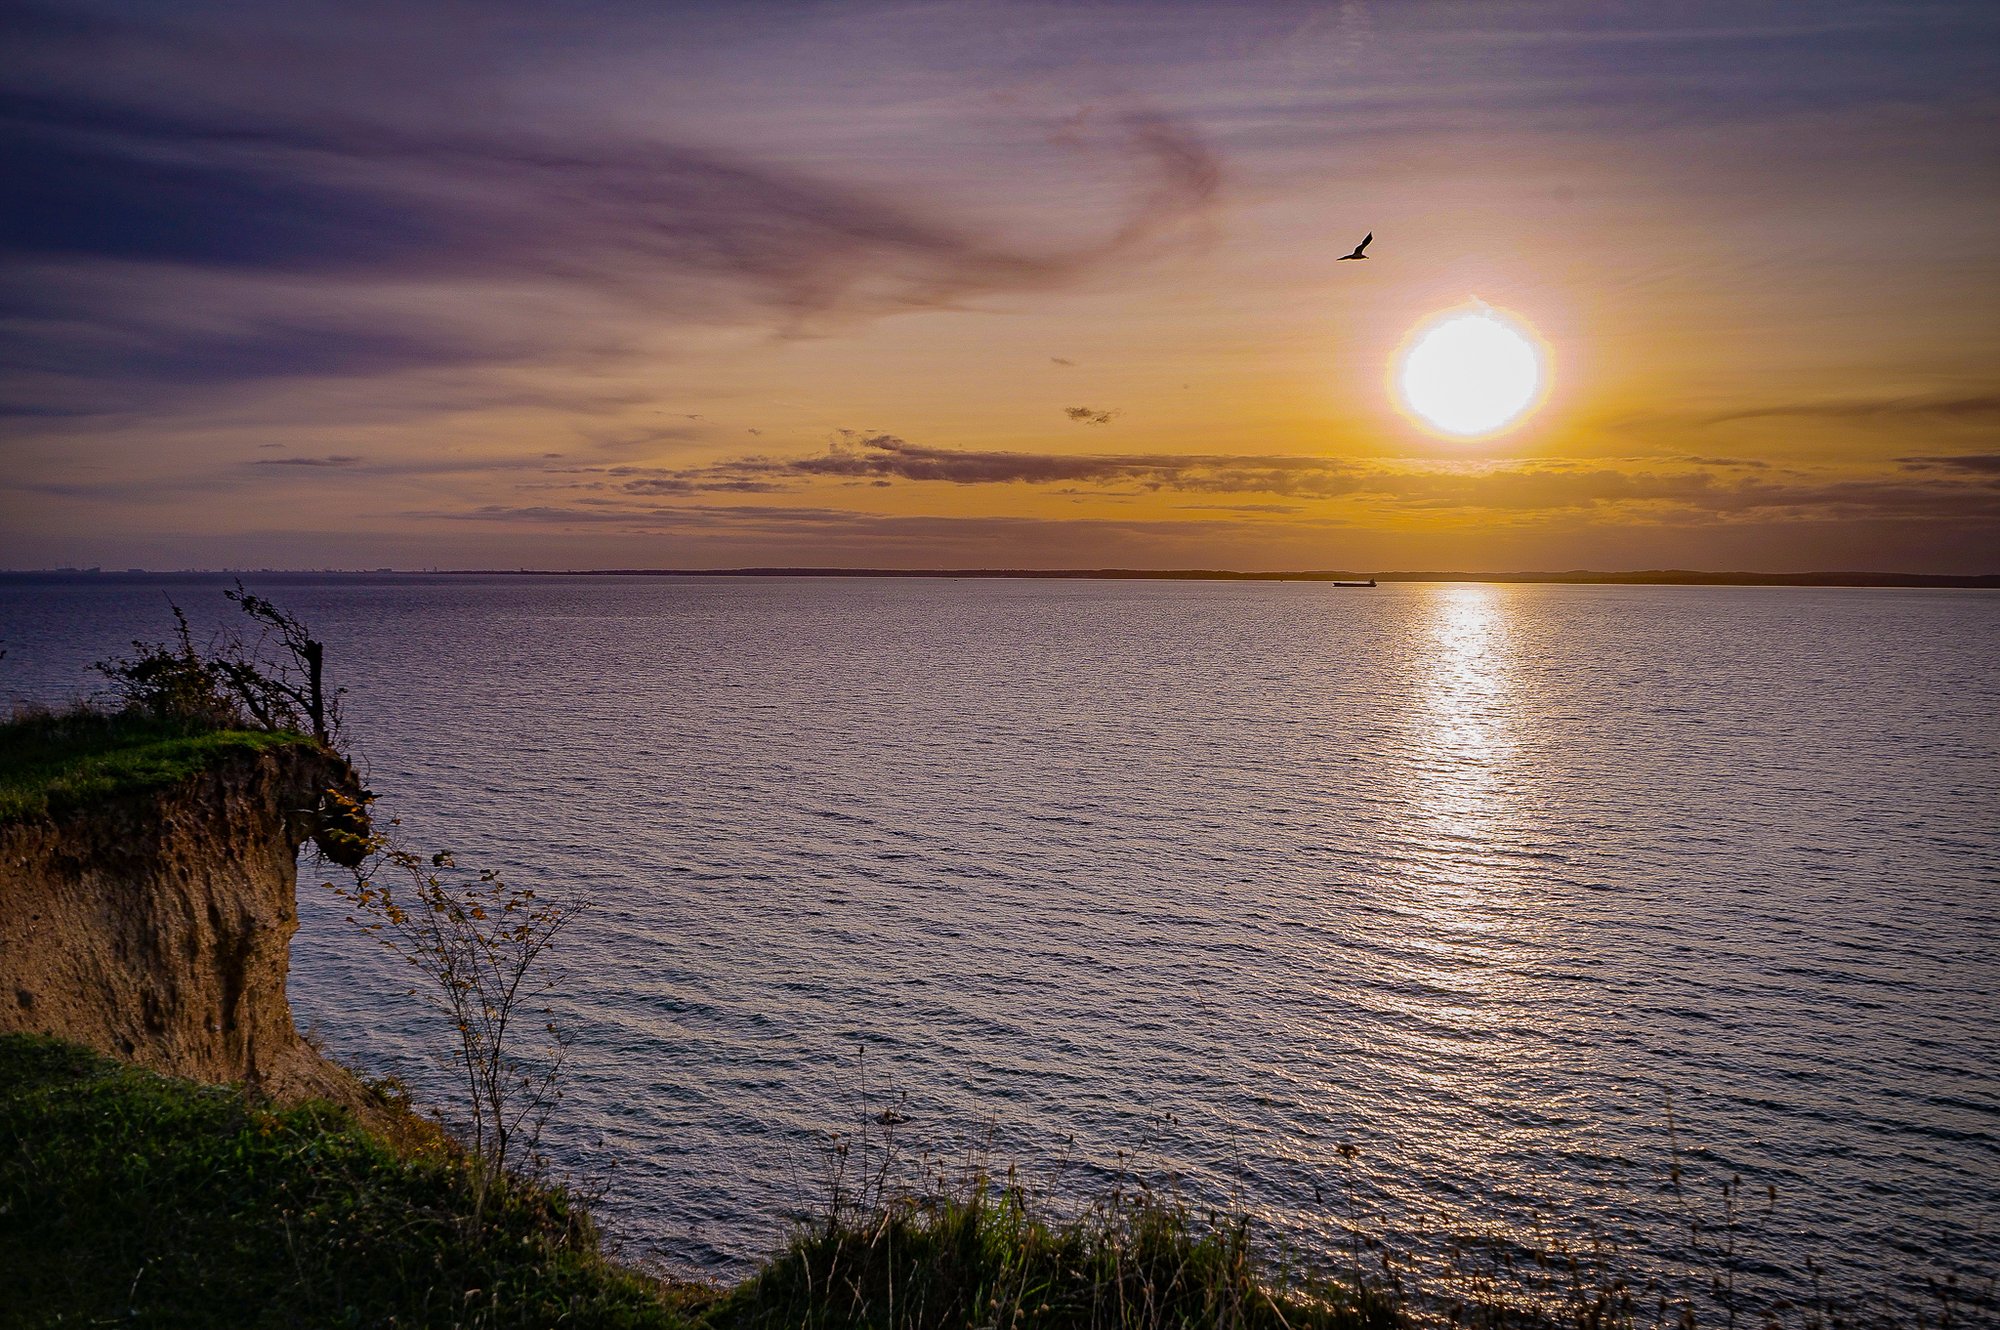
(1975, 407)
(1636, 486)
(1084, 415)
(1986, 464)
(889, 458)
(333, 459)
(160, 246)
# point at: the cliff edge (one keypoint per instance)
(149, 916)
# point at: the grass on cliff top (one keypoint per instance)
(51, 760)
(127, 1197)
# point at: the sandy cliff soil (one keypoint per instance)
(155, 925)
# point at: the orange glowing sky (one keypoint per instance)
(997, 285)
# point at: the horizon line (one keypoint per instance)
(1635, 577)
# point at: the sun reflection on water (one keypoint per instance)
(1465, 920)
(1465, 725)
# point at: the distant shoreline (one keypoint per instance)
(1650, 577)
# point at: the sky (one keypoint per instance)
(595, 284)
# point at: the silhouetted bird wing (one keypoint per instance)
(1364, 242)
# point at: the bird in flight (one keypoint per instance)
(1357, 254)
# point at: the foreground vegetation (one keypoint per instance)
(53, 760)
(989, 1259)
(132, 1198)
(128, 1197)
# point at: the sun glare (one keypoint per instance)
(1470, 373)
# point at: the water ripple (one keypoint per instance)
(1472, 878)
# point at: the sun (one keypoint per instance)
(1471, 372)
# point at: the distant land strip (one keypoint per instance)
(1651, 577)
(1583, 577)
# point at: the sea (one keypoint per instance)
(1446, 913)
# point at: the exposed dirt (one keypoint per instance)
(156, 926)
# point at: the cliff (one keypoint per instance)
(148, 904)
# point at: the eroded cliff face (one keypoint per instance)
(155, 926)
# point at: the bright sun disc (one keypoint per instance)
(1470, 372)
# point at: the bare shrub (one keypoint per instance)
(482, 948)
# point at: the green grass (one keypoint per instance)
(53, 760)
(129, 1197)
(983, 1259)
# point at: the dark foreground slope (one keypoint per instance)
(128, 1197)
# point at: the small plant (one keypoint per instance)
(1717, 1244)
(233, 683)
(482, 948)
(986, 1255)
(912, 1236)
(173, 681)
